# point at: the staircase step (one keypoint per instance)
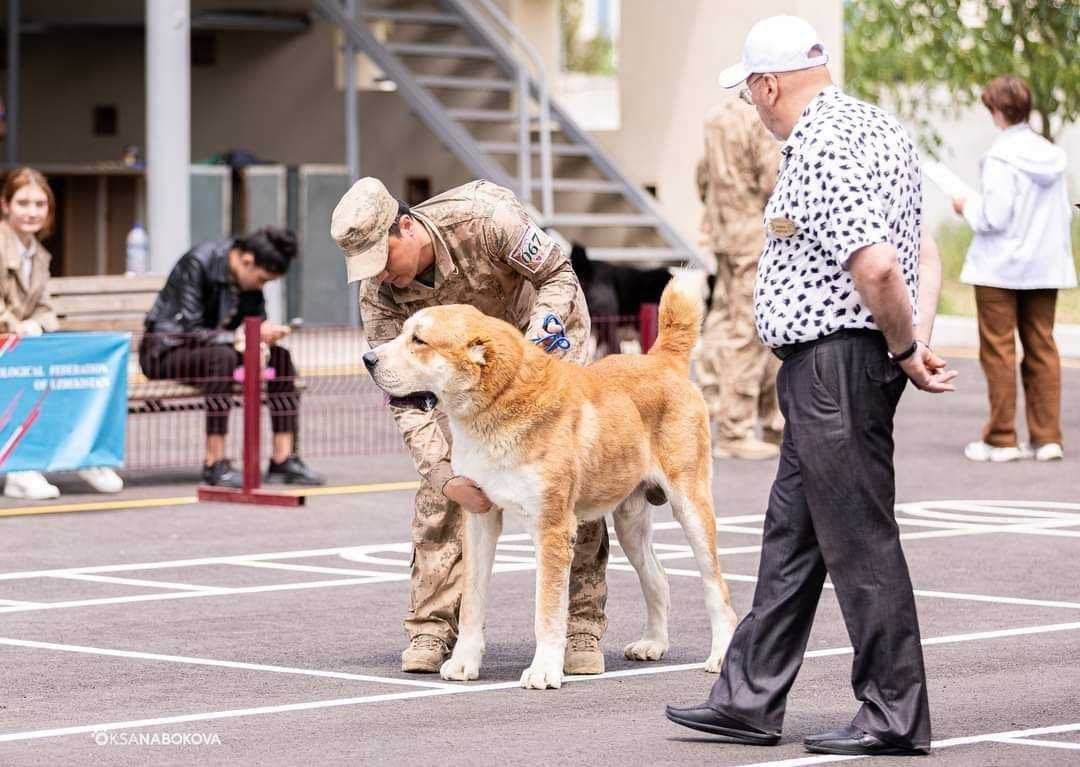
(440, 51)
(413, 17)
(580, 185)
(510, 147)
(602, 219)
(635, 255)
(482, 115)
(464, 83)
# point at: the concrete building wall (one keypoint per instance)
(670, 55)
(271, 93)
(276, 94)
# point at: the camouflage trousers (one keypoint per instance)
(438, 574)
(736, 372)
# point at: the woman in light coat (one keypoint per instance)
(1020, 257)
(25, 307)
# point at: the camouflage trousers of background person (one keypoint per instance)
(438, 575)
(736, 372)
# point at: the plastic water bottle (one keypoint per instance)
(138, 251)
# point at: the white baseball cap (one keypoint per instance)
(776, 44)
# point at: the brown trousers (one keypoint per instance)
(1001, 314)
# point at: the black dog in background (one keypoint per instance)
(615, 293)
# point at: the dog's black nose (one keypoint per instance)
(371, 359)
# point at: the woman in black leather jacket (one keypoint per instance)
(191, 336)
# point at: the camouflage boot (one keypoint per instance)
(424, 655)
(583, 655)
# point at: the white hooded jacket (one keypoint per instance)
(1022, 220)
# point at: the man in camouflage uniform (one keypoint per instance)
(737, 373)
(474, 244)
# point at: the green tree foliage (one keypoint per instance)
(925, 55)
(595, 56)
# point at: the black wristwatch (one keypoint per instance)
(896, 359)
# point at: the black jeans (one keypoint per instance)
(831, 511)
(211, 367)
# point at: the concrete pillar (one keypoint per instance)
(168, 131)
(352, 136)
(11, 142)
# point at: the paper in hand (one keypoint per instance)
(948, 182)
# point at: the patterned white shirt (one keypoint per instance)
(849, 177)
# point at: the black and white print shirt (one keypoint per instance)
(849, 177)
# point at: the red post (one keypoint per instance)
(648, 325)
(252, 392)
(252, 401)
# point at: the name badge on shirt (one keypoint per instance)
(781, 227)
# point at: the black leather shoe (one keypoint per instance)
(222, 474)
(293, 471)
(707, 719)
(852, 741)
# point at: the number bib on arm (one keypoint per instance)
(531, 249)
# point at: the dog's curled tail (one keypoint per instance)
(681, 312)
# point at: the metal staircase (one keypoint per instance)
(481, 88)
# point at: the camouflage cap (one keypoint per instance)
(360, 225)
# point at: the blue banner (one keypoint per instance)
(63, 401)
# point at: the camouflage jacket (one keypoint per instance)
(735, 178)
(488, 253)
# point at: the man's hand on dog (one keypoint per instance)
(467, 494)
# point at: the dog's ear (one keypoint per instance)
(477, 351)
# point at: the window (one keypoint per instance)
(105, 120)
(417, 189)
(203, 49)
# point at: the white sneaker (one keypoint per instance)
(1051, 451)
(982, 452)
(102, 479)
(29, 485)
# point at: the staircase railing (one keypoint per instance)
(524, 93)
(456, 138)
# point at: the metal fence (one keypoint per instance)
(339, 411)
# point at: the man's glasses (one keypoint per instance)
(745, 94)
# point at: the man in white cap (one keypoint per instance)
(838, 299)
(475, 244)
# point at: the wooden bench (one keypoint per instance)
(119, 303)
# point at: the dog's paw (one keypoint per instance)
(713, 663)
(645, 649)
(542, 676)
(460, 669)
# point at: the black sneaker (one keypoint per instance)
(222, 474)
(293, 471)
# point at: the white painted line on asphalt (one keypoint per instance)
(1044, 743)
(462, 689)
(918, 592)
(182, 563)
(983, 519)
(133, 582)
(948, 743)
(220, 663)
(14, 602)
(1031, 530)
(383, 578)
(308, 568)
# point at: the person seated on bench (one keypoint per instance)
(191, 336)
(25, 307)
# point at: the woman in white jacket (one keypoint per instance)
(1020, 257)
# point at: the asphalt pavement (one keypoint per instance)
(159, 630)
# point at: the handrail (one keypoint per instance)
(431, 111)
(524, 144)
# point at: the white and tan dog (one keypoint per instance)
(557, 443)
